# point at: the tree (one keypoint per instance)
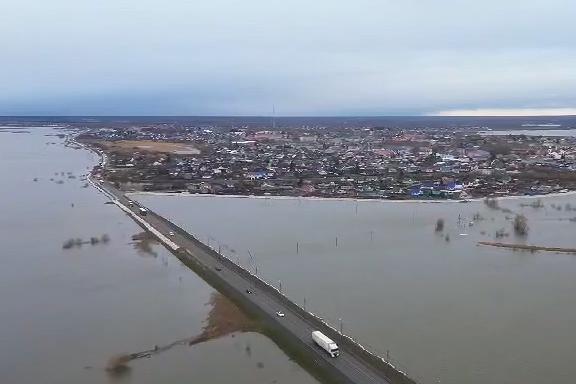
(491, 203)
(68, 244)
(439, 225)
(520, 225)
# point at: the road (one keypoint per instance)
(349, 366)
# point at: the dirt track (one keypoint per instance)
(150, 146)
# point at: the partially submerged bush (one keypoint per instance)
(439, 225)
(520, 225)
(491, 203)
(477, 217)
(68, 244)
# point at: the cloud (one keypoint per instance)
(328, 57)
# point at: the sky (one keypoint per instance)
(302, 57)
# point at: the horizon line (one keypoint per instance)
(435, 115)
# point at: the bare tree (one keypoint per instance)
(68, 244)
(491, 203)
(520, 225)
(439, 225)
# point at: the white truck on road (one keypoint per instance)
(325, 343)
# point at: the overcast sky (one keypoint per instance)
(308, 57)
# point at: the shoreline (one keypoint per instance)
(313, 198)
(104, 159)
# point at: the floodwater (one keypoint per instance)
(64, 313)
(532, 132)
(447, 309)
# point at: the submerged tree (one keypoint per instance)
(439, 225)
(68, 244)
(520, 225)
(491, 203)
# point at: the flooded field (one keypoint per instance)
(532, 132)
(80, 286)
(411, 279)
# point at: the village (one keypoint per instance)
(336, 162)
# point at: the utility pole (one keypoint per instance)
(255, 269)
(253, 262)
(297, 248)
(341, 333)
